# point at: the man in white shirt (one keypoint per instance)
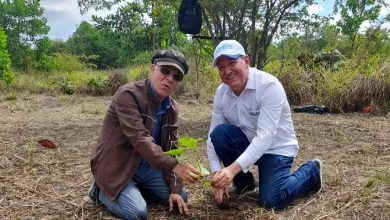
(251, 124)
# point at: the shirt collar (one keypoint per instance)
(166, 103)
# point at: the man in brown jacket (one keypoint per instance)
(129, 164)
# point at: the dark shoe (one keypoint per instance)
(248, 189)
(244, 183)
(93, 192)
(318, 187)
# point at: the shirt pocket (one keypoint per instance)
(252, 118)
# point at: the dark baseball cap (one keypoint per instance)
(171, 57)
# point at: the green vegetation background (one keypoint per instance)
(327, 64)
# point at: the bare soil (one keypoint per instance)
(42, 183)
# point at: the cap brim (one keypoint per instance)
(231, 56)
(167, 63)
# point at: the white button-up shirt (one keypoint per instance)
(262, 112)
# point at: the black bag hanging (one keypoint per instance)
(190, 17)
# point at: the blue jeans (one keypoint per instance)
(277, 186)
(147, 185)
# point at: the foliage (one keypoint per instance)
(65, 86)
(332, 59)
(58, 46)
(67, 63)
(135, 29)
(354, 13)
(30, 152)
(187, 149)
(356, 85)
(96, 46)
(5, 63)
(91, 108)
(298, 83)
(253, 23)
(43, 61)
(98, 86)
(116, 79)
(24, 25)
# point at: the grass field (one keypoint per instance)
(41, 183)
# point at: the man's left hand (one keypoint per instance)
(224, 177)
(176, 198)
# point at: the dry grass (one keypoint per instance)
(355, 149)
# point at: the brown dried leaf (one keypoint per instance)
(47, 143)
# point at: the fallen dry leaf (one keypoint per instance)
(47, 143)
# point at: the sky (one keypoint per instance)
(64, 15)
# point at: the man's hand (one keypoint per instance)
(224, 177)
(176, 198)
(218, 194)
(187, 172)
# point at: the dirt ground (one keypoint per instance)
(42, 183)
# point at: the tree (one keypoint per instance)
(354, 13)
(58, 46)
(254, 23)
(5, 62)
(138, 26)
(86, 40)
(43, 61)
(24, 25)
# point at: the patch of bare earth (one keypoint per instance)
(42, 183)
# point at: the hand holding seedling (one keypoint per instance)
(187, 172)
(188, 146)
(176, 198)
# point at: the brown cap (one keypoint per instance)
(171, 57)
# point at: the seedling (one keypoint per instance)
(188, 149)
(30, 149)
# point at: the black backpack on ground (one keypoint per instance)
(190, 17)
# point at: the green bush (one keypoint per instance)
(98, 86)
(67, 63)
(5, 62)
(200, 83)
(298, 83)
(45, 64)
(116, 79)
(65, 86)
(357, 84)
(142, 58)
(138, 72)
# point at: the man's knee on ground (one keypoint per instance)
(136, 213)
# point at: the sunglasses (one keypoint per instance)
(166, 71)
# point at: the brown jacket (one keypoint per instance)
(127, 137)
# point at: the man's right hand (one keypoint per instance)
(187, 172)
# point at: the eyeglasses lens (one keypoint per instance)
(166, 71)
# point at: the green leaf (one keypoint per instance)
(182, 157)
(206, 184)
(189, 142)
(175, 152)
(203, 171)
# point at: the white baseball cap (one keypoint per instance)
(229, 48)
